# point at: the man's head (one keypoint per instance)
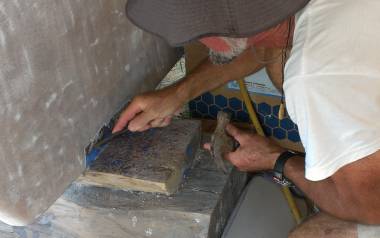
(181, 21)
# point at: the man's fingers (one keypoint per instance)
(166, 121)
(178, 112)
(235, 132)
(157, 122)
(140, 121)
(128, 114)
(147, 127)
(161, 122)
(236, 159)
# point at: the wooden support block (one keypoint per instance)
(151, 161)
(200, 209)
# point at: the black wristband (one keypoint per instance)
(278, 170)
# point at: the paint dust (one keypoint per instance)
(94, 102)
(95, 43)
(127, 68)
(3, 41)
(134, 221)
(67, 85)
(136, 38)
(17, 117)
(51, 99)
(148, 232)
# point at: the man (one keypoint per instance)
(332, 89)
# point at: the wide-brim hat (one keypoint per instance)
(182, 21)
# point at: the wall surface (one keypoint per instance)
(65, 67)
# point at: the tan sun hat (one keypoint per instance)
(181, 21)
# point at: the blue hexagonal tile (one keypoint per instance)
(221, 101)
(235, 104)
(214, 110)
(279, 133)
(261, 118)
(268, 131)
(287, 124)
(202, 107)
(276, 109)
(271, 121)
(294, 136)
(208, 98)
(242, 116)
(192, 105)
(264, 109)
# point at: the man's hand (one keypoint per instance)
(151, 109)
(155, 109)
(255, 153)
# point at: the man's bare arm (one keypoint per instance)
(155, 109)
(352, 193)
(209, 76)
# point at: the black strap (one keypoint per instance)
(278, 170)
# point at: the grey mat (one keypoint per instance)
(261, 213)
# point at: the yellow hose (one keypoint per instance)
(252, 114)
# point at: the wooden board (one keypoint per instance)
(151, 161)
(87, 211)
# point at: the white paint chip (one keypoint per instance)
(51, 99)
(134, 221)
(61, 150)
(67, 85)
(34, 139)
(127, 68)
(106, 70)
(45, 146)
(149, 232)
(70, 121)
(38, 183)
(17, 117)
(3, 41)
(28, 62)
(20, 170)
(94, 102)
(95, 43)
(136, 37)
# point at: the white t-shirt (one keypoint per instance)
(332, 83)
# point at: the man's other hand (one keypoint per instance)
(151, 109)
(256, 153)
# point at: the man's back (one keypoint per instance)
(333, 81)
